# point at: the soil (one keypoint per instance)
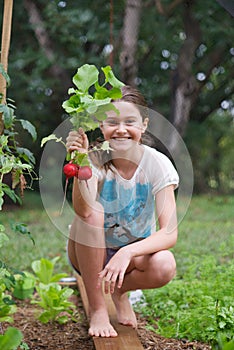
(74, 335)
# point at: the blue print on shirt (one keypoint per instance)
(128, 212)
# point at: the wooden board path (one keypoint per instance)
(127, 338)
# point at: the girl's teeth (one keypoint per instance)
(120, 138)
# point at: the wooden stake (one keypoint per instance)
(6, 36)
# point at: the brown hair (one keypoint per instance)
(130, 94)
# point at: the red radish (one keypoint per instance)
(70, 170)
(84, 173)
(74, 170)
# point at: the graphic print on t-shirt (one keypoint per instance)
(128, 211)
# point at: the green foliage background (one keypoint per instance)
(78, 32)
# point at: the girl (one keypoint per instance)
(113, 238)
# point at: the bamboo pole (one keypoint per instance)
(6, 36)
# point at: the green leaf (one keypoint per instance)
(22, 229)
(11, 339)
(222, 324)
(3, 141)
(27, 125)
(73, 104)
(85, 123)
(86, 76)
(94, 104)
(115, 93)
(66, 293)
(1, 200)
(101, 113)
(57, 277)
(45, 317)
(51, 137)
(110, 77)
(10, 193)
(4, 74)
(8, 115)
(6, 164)
(101, 92)
(62, 319)
(80, 158)
(26, 154)
(44, 268)
(3, 239)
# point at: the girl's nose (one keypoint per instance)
(121, 127)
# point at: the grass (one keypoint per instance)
(207, 229)
(197, 305)
(20, 252)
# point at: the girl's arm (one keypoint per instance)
(84, 195)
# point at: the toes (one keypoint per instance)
(105, 333)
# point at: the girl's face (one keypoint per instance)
(123, 130)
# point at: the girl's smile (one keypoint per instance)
(124, 131)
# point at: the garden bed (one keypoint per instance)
(73, 335)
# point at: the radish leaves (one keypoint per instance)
(87, 109)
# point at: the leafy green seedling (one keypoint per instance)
(24, 285)
(7, 305)
(11, 339)
(44, 269)
(54, 300)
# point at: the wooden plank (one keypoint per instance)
(127, 338)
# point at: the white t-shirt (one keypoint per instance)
(129, 205)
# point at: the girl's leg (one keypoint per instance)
(144, 272)
(86, 250)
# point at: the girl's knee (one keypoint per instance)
(164, 266)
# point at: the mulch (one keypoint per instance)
(74, 335)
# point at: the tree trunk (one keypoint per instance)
(131, 26)
(183, 84)
(44, 41)
(6, 35)
(56, 71)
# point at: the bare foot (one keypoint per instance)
(100, 325)
(125, 313)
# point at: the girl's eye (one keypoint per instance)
(112, 122)
(130, 122)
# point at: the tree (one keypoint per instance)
(130, 31)
(180, 56)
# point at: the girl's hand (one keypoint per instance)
(77, 141)
(113, 273)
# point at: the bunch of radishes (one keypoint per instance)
(74, 170)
